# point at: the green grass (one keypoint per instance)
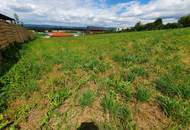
(119, 86)
(136, 72)
(53, 70)
(58, 97)
(143, 94)
(96, 66)
(110, 104)
(127, 59)
(177, 109)
(3, 122)
(87, 98)
(175, 83)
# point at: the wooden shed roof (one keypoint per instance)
(4, 17)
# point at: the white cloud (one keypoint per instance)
(94, 12)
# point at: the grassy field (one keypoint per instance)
(138, 80)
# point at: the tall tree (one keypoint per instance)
(138, 26)
(158, 24)
(158, 21)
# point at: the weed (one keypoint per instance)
(178, 110)
(3, 122)
(120, 87)
(96, 66)
(58, 82)
(139, 71)
(21, 114)
(111, 105)
(87, 98)
(174, 84)
(135, 72)
(45, 119)
(23, 111)
(3, 100)
(142, 94)
(58, 97)
(126, 59)
(131, 76)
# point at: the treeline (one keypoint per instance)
(158, 24)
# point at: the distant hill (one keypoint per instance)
(53, 27)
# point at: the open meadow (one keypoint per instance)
(119, 81)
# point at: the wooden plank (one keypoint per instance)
(12, 33)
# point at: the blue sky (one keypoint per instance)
(95, 12)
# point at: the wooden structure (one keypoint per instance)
(6, 18)
(11, 33)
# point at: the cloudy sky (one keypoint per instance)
(94, 12)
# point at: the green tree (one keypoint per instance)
(138, 26)
(158, 24)
(185, 21)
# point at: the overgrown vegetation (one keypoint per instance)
(115, 79)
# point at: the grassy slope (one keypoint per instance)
(119, 81)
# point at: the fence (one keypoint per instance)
(13, 34)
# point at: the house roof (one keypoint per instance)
(4, 17)
(60, 34)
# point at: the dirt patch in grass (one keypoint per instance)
(34, 119)
(149, 116)
(56, 71)
(35, 115)
(114, 69)
(38, 99)
(72, 111)
(79, 115)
